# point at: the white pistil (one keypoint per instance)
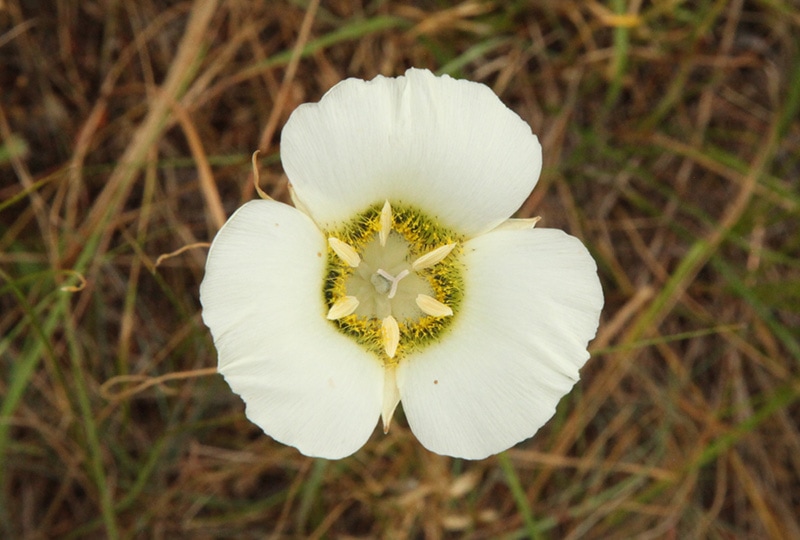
(433, 257)
(345, 251)
(343, 307)
(391, 396)
(386, 223)
(390, 335)
(432, 306)
(394, 280)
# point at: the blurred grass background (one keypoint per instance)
(671, 146)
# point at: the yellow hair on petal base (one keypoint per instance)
(444, 277)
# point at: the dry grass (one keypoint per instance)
(671, 143)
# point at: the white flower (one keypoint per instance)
(399, 277)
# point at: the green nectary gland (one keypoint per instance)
(446, 278)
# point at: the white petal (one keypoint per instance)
(449, 147)
(304, 383)
(532, 302)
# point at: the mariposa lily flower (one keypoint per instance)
(399, 277)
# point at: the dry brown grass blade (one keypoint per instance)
(711, 164)
(124, 174)
(532, 458)
(206, 178)
(99, 112)
(755, 494)
(265, 141)
(257, 177)
(145, 382)
(620, 364)
(612, 328)
(451, 17)
(165, 256)
(37, 203)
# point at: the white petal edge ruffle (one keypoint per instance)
(449, 147)
(304, 383)
(532, 302)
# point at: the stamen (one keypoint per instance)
(433, 257)
(432, 306)
(390, 335)
(391, 396)
(343, 307)
(394, 280)
(386, 223)
(345, 251)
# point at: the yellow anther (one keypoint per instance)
(345, 251)
(386, 223)
(431, 306)
(433, 257)
(390, 335)
(343, 307)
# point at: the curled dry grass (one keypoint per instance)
(670, 136)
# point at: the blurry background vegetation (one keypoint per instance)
(671, 135)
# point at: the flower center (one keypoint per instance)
(393, 280)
